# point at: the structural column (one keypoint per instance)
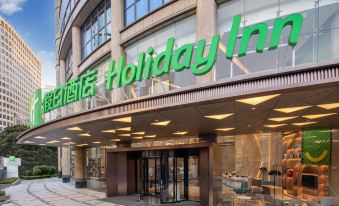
(65, 164)
(206, 28)
(76, 59)
(80, 160)
(117, 50)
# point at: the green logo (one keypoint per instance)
(317, 146)
(35, 109)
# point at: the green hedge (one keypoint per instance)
(35, 177)
(2, 193)
(9, 180)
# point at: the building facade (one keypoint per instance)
(20, 72)
(219, 102)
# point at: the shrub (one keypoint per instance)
(52, 170)
(2, 193)
(9, 180)
(36, 171)
(28, 173)
(35, 177)
(44, 169)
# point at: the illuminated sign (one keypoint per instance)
(149, 64)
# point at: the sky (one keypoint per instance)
(35, 23)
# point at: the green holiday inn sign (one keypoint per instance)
(122, 74)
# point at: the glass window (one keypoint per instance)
(66, 9)
(135, 9)
(96, 30)
(69, 65)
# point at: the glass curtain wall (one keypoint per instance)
(66, 10)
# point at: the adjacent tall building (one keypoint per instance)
(20, 75)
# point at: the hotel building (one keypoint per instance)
(241, 107)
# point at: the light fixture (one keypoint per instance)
(70, 142)
(42, 144)
(115, 140)
(28, 142)
(281, 119)
(96, 142)
(163, 123)
(52, 142)
(316, 116)
(329, 106)
(302, 123)
(84, 135)
(274, 125)
(39, 137)
(124, 135)
(291, 109)
(137, 137)
(65, 138)
(109, 131)
(139, 133)
(74, 129)
(81, 145)
(124, 129)
(218, 116)
(150, 136)
(257, 100)
(180, 133)
(224, 129)
(123, 119)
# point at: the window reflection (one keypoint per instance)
(66, 9)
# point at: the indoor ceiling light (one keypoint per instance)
(39, 137)
(302, 123)
(150, 136)
(115, 140)
(65, 138)
(257, 100)
(224, 129)
(274, 125)
(281, 119)
(96, 142)
(74, 129)
(137, 137)
(123, 119)
(124, 129)
(218, 116)
(316, 116)
(291, 109)
(139, 133)
(329, 106)
(180, 133)
(124, 135)
(84, 135)
(163, 123)
(109, 131)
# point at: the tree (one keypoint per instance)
(30, 155)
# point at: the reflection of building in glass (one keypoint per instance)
(257, 129)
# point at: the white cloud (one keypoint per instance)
(9, 7)
(48, 75)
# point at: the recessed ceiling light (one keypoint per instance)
(81, 145)
(124, 135)
(150, 136)
(139, 133)
(109, 131)
(65, 138)
(329, 106)
(180, 133)
(124, 129)
(28, 142)
(224, 129)
(303, 123)
(274, 125)
(115, 140)
(316, 116)
(74, 129)
(84, 135)
(52, 142)
(137, 137)
(96, 142)
(257, 100)
(281, 119)
(123, 119)
(291, 109)
(219, 116)
(163, 123)
(39, 137)
(42, 144)
(70, 142)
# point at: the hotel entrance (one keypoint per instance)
(168, 176)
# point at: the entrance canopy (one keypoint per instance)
(275, 111)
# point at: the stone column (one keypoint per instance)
(117, 24)
(80, 163)
(65, 164)
(76, 59)
(206, 28)
(59, 163)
